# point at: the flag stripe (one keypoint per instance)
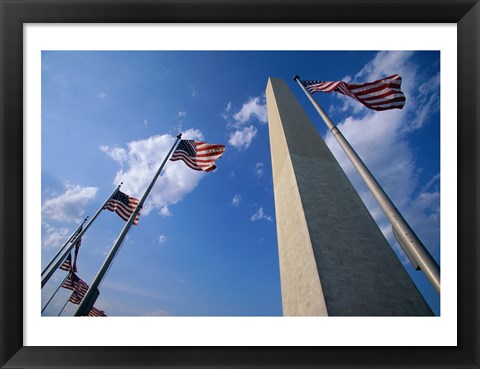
(383, 93)
(74, 299)
(66, 265)
(389, 98)
(371, 89)
(343, 89)
(124, 206)
(78, 286)
(393, 80)
(123, 212)
(198, 155)
(379, 95)
(96, 312)
(194, 165)
(330, 86)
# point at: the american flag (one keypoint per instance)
(198, 155)
(67, 264)
(96, 312)
(383, 94)
(78, 286)
(75, 299)
(123, 205)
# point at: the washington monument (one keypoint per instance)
(334, 260)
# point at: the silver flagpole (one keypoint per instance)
(74, 241)
(86, 301)
(406, 237)
(64, 245)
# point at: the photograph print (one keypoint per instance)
(240, 183)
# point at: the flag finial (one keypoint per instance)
(179, 136)
(295, 77)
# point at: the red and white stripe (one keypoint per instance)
(76, 284)
(66, 265)
(74, 299)
(122, 210)
(96, 312)
(205, 157)
(383, 94)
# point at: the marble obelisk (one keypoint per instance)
(334, 260)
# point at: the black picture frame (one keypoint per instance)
(15, 13)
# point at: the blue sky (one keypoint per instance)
(206, 242)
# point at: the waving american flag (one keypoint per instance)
(123, 205)
(77, 285)
(383, 94)
(198, 155)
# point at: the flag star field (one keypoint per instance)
(205, 243)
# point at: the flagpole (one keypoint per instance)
(64, 245)
(61, 284)
(408, 240)
(74, 241)
(61, 311)
(86, 301)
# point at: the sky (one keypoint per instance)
(206, 243)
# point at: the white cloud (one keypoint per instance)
(141, 161)
(69, 206)
(165, 211)
(236, 200)
(255, 107)
(181, 114)
(162, 239)
(260, 215)
(379, 142)
(426, 103)
(116, 153)
(242, 139)
(225, 114)
(386, 63)
(54, 238)
(259, 169)
(388, 155)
